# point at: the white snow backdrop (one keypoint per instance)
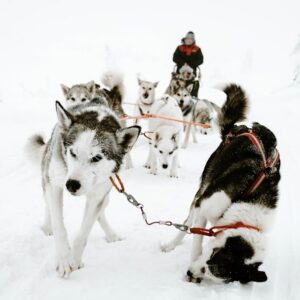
(45, 43)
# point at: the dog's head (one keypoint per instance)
(166, 144)
(228, 262)
(79, 93)
(186, 72)
(147, 91)
(183, 95)
(94, 147)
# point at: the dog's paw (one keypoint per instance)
(153, 172)
(173, 173)
(64, 266)
(191, 277)
(111, 238)
(168, 247)
(146, 166)
(184, 146)
(76, 264)
(47, 230)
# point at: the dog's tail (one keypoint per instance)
(234, 109)
(114, 81)
(35, 149)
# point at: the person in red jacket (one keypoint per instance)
(188, 53)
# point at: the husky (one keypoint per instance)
(186, 73)
(112, 96)
(87, 146)
(203, 112)
(78, 93)
(182, 79)
(146, 96)
(234, 254)
(165, 136)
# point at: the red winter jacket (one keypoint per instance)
(191, 55)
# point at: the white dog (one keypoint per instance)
(146, 96)
(165, 136)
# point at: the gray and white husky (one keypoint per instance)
(203, 112)
(197, 111)
(111, 95)
(87, 146)
(222, 199)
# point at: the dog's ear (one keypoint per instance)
(258, 276)
(253, 274)
(156, 84)
(175, 137)
(65, 89)
(65, 119)
(139, 81)
(127, 137)
(91, 87)
(156, 137)
(189, 88)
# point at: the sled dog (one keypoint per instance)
(87, 146)
(165, 136)
(227, 196)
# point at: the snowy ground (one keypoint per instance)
(44, 44)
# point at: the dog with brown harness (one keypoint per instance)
(238, 194)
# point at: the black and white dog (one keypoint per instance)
(245, 159)
(87, 146)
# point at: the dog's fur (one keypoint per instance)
(195, 110)
(87, 146)
(111, 95)
(186, 73)
(204, 112)
(235, 254)
(184, 78)
(146, 96)
(78, 93)
(165, 136)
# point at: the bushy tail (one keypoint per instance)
(35, 149)
(234, 109)
(114, 81)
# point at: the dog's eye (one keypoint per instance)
(160, 151)
(150, 89)
(178, 94)
(96, 158)
(185, 95)
(170, 153)
(143, 87)
(73, 154)
(73, 99)
(83, 99)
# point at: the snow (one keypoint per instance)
(44, 44)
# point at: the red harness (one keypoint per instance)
(268, 164)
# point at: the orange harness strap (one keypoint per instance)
(152, 116)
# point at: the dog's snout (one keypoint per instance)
(165, 166)
(181, 102)
(146, 95)
(73, 185)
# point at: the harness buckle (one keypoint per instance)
(132, 200)
(181, 227)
